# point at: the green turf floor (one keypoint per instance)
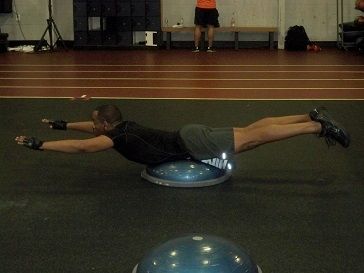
(296, 205)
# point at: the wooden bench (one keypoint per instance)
(235, 30)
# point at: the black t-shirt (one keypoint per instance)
(145, 145)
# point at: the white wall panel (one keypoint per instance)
(246, 12)
(33, 14)
(262, 13)
(318, 17)
(63, 16)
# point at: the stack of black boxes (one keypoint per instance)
(111, 23)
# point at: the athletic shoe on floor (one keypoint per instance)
(210, 50)
(196, 49)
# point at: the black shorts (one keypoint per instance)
(203, 142)
(204, 17)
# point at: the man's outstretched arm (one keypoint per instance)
(95, 144)
(82, 126)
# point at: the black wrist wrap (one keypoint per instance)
(58, 124)
(33, 143)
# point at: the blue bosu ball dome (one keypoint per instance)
(197, 254)
(185, 173)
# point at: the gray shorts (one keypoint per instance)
(203, 142)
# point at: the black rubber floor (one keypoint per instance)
(296, 205)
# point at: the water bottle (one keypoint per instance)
(233, 20)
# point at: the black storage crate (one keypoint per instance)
(111, 23)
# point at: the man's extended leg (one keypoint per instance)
(280, 120)
(273, 129)
(253, 136)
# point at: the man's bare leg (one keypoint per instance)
(253, 136)
(280, 120)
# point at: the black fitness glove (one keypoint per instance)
(58, 124)
(32, 143)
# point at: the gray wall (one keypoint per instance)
(318, 17)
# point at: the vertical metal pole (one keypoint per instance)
(271, 40)
(337, 23)
(236, 40)
(50, 27)
(342, 23)
(169, 38)
(281, 23)
(203, 39)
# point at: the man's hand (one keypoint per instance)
(29, 142)
(56, 124)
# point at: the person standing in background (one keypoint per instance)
(359, 5)
(206, 16)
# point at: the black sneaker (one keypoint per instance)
(315, 112)
(210, 49)
(331, 130)
(196, 49)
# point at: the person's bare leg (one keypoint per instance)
(280, 120)
(210, 35)
(197, 35)
(251, 137)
